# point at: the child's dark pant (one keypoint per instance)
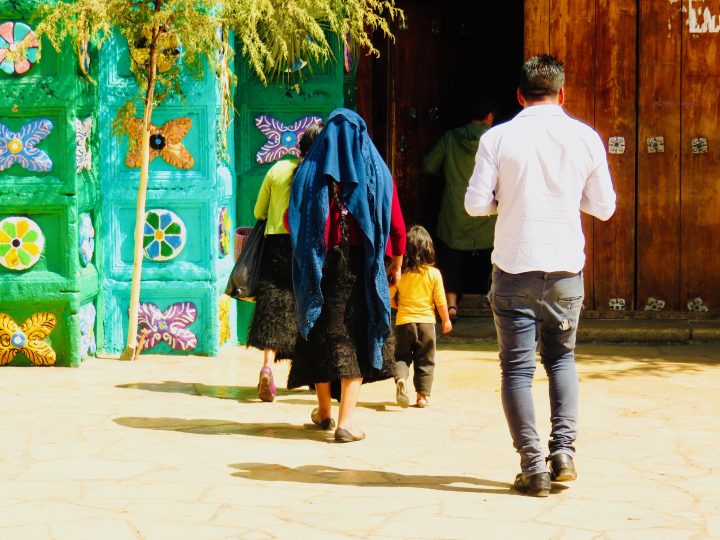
(415, 343)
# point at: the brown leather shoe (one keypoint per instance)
(536, 485)
(562, 468)
(343, 435)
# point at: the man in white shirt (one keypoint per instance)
(537, 173)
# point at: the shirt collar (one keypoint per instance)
(543, 110)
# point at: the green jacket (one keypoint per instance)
(455, 155)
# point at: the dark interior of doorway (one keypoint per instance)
(444, 55)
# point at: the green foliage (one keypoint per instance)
(271, 34)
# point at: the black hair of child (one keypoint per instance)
(420, 250)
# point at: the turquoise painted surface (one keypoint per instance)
(58, 283)
(198, 273)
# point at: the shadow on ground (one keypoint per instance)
(204, 426)
(323, 474)
(243, 394)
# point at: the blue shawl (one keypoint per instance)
(344, 152)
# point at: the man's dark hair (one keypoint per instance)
(542, 76)
(479, 106)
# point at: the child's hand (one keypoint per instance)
(446, 326)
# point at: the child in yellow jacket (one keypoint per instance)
(417, 294)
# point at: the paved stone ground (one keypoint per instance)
(179, 447)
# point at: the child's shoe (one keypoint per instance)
(401, 395)
(422, 401)
(266, 385)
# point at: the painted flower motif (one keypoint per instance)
(87, 239)
(20, 147)
(282, 140)
(83, 153)
(18, 48)
(21, 243)
(86, 316)
(28, 339)
(224, 226)
(169, 326)
(224, 317)
(164, 235)
(165, 141)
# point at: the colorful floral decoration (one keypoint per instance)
(20, 147)
(18, 48)
(224, 317)
(86, 316)
(169, 326)
(169, 50)
(28, 339)
(282, 140)
(165, 141)
(83, 154)
(224, 227)
(21, 243)
(164, 235)
(86, 240)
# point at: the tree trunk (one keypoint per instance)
(129, 353)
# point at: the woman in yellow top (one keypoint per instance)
(417, 294)
(274, 324)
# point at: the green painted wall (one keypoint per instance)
(60, 282)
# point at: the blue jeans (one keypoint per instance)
(532, 308)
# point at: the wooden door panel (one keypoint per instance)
(700, 189)
(572, 40)
(658, 182)
(615, 59)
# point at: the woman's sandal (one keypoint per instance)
(452, 314)
(327, 424)
(423, 401)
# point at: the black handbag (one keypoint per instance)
(245, 274)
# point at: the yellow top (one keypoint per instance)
(417, 295)
(274, 195)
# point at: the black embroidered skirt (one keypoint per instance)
(274, 323)
(337, 346)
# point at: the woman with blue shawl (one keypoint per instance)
(344, 220)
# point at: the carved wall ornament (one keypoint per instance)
(86, 317)
(83, 153)
(86, 239)
(169, 326)
(18, 48)
(224, 317)
(20, 147)
(281, 139)
(164, 235)
(28, 339)
(169, 50)
(617, 304)
(21, 243)
(224, 227)
(165, 141)
(696, 304)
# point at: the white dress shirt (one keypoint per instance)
(537, 172)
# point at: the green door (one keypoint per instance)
(266, 116)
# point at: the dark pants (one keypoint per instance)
(415, 344)
(464, 271)
(532, 308)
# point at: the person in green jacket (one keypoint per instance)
(464, 242)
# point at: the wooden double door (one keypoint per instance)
(643, 74)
